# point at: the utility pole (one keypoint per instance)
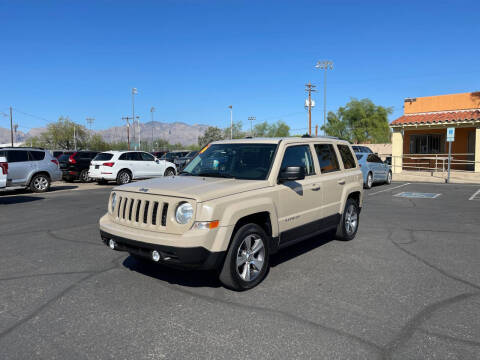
(11, 125)
(15, 128)
(251, 119)
(134, 92)
(152, 110)
(309, 88)
(127, 119)
(324, 65)
(316, 130)
(90, 122)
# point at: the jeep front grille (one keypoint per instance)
(139, 211)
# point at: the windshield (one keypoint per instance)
(103, 157)
(239, 161)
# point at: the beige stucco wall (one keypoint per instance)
(477, 150)
(397, 151)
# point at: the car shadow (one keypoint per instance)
(62, 187)
(209, 278)
(190, 278)
(301, 248)
(18, 199)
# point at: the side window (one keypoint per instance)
(327, 158)
(147, 157)
(347, 156)
(37, 155)
(123, 156)
(298, 156)
(371, 158)
(17, 156)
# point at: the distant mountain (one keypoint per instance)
(176, 132)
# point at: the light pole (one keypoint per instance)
(324, 65)
(134, 92)
(231, 121)
(251, 119)
(152, 110)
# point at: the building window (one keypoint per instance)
(426, 144)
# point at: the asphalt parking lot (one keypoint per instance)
(408, 287)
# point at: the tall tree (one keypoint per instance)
(212, 133)
(60, 135)
(278, 129)
(360, 121)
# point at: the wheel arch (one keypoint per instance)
(35, 173)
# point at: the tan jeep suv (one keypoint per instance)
(237, 203)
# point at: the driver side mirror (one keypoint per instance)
(292, 173)
(157, 161)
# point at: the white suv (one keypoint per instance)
(124, 166)
(3, 172)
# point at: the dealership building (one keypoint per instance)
(419, 138)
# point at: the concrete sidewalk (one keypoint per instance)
(458, 177)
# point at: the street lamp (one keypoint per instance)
(324, 65)
(135, 92)
(231, 121)
(251, 119)
(152, 110)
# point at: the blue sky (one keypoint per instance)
(191, 59)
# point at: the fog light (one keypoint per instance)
(155, 256)
(112, 244)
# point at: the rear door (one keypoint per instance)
(19, 167)
(332, 181)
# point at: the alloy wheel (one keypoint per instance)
(351, 219)
(250, 257)
(40, 183)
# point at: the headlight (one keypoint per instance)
(114, 201)
(184, 213)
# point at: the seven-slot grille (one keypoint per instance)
(140, 211)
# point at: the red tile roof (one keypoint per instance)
(438, 117)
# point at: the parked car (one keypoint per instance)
(373, 169)
(172, 155)
(362, 149)
(238, 202)
(159, 154)
(57, 153)
(125, 166)
(181, 162)
(3, 172)
(31, 167)
(75, 166)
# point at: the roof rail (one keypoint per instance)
(321, 136)
(21, 147)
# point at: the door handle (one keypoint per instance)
(315, 187)
(341, 182)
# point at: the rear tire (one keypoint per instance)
(124, 177)
(40, 183)
(389, 178)
(369, 181)
(247, 260)
(348, 226)
(83, 177)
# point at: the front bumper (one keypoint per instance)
(188, 257)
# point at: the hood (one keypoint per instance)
(194, 187)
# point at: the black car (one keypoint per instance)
(75, 166)
(172, 155)
(181, 162)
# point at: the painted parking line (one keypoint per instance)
(396, 187)
(417, 195)
(475, 196)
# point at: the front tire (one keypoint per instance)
(369, 182)
(123, 177)
(247, 260)
(348, 226)
(40, 183)
(169, 172)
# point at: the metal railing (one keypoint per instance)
(434, 162)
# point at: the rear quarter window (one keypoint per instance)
(103, 157)
(347, 157)
(37, 155)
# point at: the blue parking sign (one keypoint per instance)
(451, 134)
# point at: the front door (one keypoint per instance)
(299, 201)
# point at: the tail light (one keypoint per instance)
(55, 161)
(4, 167)
(71, 159)
(109, 164)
